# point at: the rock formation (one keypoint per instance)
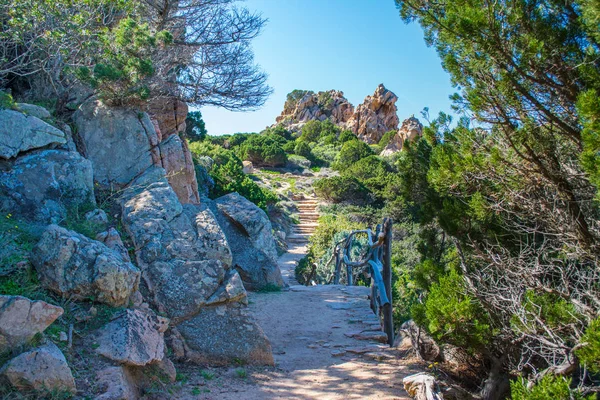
(75, 266)
(369, 121)
(411, 129)
(43, 369)
(185, 261)
(183, 266)
(375, 116)
(249, 233)
(304, 106)
(21, 319)
(20, 132)
(134, 338)
(123, 143)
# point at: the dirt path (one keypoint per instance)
(310, 329)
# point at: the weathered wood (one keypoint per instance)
(388, 319)
(378, 262)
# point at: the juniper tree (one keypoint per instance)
(514, 180)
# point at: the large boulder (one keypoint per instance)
(375, 116)
(185, 261)
(21, 319)
(20, 132)
(134, 338)
(43, 369)
(250, 236)
(411, 130)
(122, 143)
(73, 265)
(227, 334)
(43, 185)
(34, 111)
(116, 383)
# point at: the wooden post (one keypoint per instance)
(338, 267)
(387, 280)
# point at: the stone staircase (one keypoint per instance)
(308, 216)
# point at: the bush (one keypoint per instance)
(342, 189)
(590, 353)
(549, 387)
(346, 136)
(373, 172)
(228, 175)
(302, 149)
(195, 129)
(264, 150)
(325, 154)
(278, 130)
(298, 162)
(453, 316)
(351, 152)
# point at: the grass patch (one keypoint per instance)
(241, 373)
(207, 375)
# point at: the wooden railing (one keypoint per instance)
(375, 264)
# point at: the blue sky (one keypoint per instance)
(347, 45)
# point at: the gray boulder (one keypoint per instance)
(34, 111)
(119, 142)
(20, 133)
(21, 319)
(250, 236)
(185, 261)
(116, 383)
(227, 334)
(43, 369)
(134, 338)
(41, 186)
(73, 265)
(122, 143)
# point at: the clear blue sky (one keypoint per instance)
(347, 45)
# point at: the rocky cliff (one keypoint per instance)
(303, 106)
(369, 121)
(375, 116)
(411, 129)
(174, 272)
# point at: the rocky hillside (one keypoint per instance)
(104, 213)
(369, 121)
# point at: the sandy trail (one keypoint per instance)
(309, 328)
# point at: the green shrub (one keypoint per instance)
(350, 153)
(298, 162)
(228, 175)
(264, 150)
(302, 149)
(455, 317)
(342, 189)
(6, 101)
(373, 172)
(590, 353)
(278, 130)
(325, 154)
(195, 129)
(549, 387)
(346, 136)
